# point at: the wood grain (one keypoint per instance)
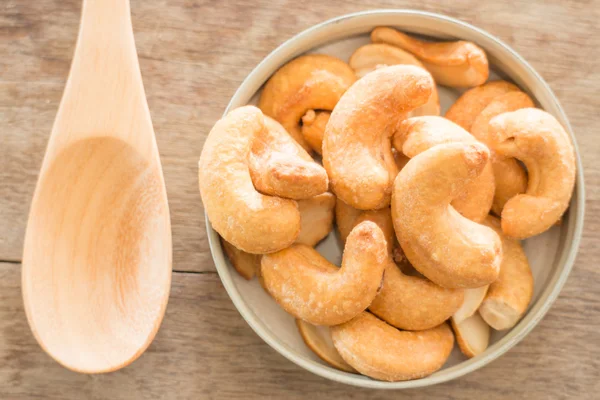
(193, 55)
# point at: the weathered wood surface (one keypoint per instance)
(193, 55)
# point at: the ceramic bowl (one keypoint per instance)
(551, 254)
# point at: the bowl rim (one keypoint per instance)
(536, 312)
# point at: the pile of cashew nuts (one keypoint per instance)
(430, 209)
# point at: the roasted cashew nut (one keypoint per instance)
(472, 102)
(279, 166)
(313, 128)
(446, 247)
(249, 220)
(380, 351)
(357, 151)
(310, 288)
(318, 339)
(454, 64)
(541, 143)
(418, 134)
(246, 264)
(511, 178)
(472, 335)
(473, 299)
(369, 57)
(413, 303)
(309, 82)
(509, 296)
(316, 218)
(348, 217)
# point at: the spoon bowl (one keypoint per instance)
(97, 257)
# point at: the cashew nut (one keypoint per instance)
(247, 219)
(309, 82)
(418, 134)
(413, 303)
(508, 297)
(541, 143)
(279, 166)
(446, 247)
(245, 264)
(371, 56)
(472, 335)
(313, 128)
(310, 288)
(473, 299)
(454, 64)
(511, 178)
(318, 339)
(357, 152)
(348, 217)
(472, 102)
(316, 218)
(383, 352)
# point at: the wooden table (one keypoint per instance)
(193, 55)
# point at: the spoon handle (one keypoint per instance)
(104, 94)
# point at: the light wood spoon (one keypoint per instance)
(97, 258)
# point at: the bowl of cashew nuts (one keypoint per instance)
(394, 198)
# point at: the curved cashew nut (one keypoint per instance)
(413, 303)
(279, 166)
(511, 178)
(307, 286)
(246, 264)
(381, 351)
(357, 152)
(249, 220)
(316, 218)
(313, 128)
(454, 64)
(538, 139)
(472, 102)
(371, 56)
(472, 335)
(447, 248)
(348, 217)
(318, 339)
(418, 134)
(309, 82)
(473, 299)
(508, 297)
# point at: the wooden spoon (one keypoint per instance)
(97, 257)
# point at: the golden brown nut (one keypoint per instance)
(447, 248)
(307, 286)
(357, 152)
(318, 339)
(369, 57)
(245, 264)
(249, 220)
(279, 166)
(381, 351)
(472, 335)
(509, 296)
(417, 134)
(538, 139)
(316, 218)
(313, 128)
(413, 303)
(309, 82)
(472, 102)
(473, 299)
(511, 178)
(347, 218)
(454, 64)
